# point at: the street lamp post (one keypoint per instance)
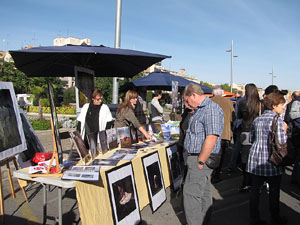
(231, 70)
(117, 45)
(273, 76)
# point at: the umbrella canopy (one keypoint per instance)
(59, 61)
(163, 80)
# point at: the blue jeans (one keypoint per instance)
(236, 149)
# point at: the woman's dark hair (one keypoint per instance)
(273, 99)
(157, 92)
(252, 101)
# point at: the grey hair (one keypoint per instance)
(217, 90)
(193, 88)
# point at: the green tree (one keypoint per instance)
(9, 73)
(35, 85)
(225, 87)
(206, 84)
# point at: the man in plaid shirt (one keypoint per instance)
(203, 137)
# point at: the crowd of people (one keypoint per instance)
(207, 128)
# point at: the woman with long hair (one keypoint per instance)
(259, 166)
(248, 110)
(125, 116)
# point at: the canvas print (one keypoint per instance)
(155, 182)
(125, 138)
(174, 166)
(84, 80)
(103, 141)
(112, 139)
(123, 195)
(12, 139)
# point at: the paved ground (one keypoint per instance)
(230, 206)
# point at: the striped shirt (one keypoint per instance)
(258, 162)
(208, 119)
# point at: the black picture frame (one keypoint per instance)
(55, 122)
(174, 166)
(154, 180)
(123, 195)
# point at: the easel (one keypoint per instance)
(54, 157)
(6, 161)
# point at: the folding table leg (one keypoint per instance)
(60, 206)
(44, 203)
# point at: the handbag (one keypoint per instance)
(213, 160)
(277, 151)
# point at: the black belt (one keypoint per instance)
(193, 154)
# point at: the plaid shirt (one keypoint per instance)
(258, 162)
(208, 119)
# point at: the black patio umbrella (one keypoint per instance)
(59, 61)
(163, 81)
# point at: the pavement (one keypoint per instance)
(230, 206)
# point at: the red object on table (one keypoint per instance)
(42, 156)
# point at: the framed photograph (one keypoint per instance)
(123, 195)
(174, 166)
(55, 122)
(12, 138)
(32, 141)
(80, 146)
(125, 137)
(134, 135)
(103, 141)
(155, 182)
(84, 80)
(92, 139)
(112, 138)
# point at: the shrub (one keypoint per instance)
(59, 110)
(40, 124)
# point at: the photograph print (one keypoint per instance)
(155, 182)
(123, 195)
(174, 166)
(125, 137)
(12, 139)
(112, 138)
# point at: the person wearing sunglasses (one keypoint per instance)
(94, 116)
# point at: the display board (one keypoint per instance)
(12, 138)
(123, 195)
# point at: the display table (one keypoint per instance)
(23, 177)
(93, 197)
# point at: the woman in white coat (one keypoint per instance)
(94, 116)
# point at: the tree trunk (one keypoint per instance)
(40, 109)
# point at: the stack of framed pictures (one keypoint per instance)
(123, 195)
(154, 179)
(174, 166)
